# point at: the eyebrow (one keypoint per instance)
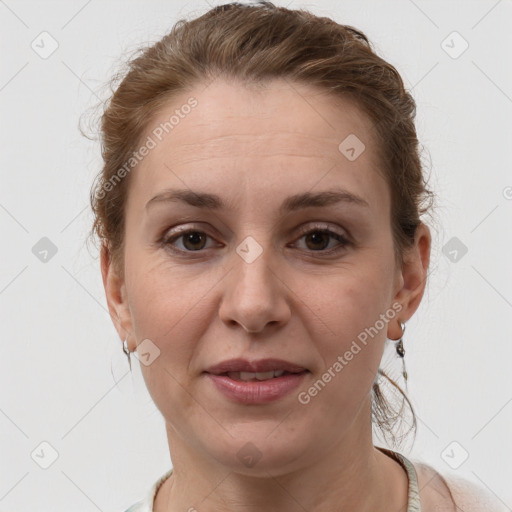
(296, 202)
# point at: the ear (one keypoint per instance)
(411, 279)
(115, 291)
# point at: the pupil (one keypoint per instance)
(194, 238)
(317, 237)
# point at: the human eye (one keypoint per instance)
(318, 238)
(190, 240)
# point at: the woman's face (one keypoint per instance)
(260, 260)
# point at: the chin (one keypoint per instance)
(256, 453)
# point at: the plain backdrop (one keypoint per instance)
(79, 432)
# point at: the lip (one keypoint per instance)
(256, 392)
(259, 365)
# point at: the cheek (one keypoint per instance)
(353, 308)
(164, 313)
(171, 307)
(166, 297)
(353, 298)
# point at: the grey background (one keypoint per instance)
(63, 377)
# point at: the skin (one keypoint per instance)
(255, 146)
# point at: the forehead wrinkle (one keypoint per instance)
(313, 147)
(197, 158)
(258, 138)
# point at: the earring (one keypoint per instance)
(126, 350)
(399, 346)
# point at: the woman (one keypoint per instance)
(259, 212)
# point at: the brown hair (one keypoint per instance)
(254, 43)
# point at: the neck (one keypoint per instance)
(352, 476)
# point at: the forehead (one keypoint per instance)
(273, 138)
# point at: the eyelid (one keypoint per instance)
(314, 226)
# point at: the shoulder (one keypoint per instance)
(146, 504)
(137, 507)
(439, 493)
(140, 506)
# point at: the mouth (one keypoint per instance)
(256, 382)
(260, 369)
(257, 376)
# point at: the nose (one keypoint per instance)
(255, 296)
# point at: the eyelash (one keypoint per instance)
(343, 241)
